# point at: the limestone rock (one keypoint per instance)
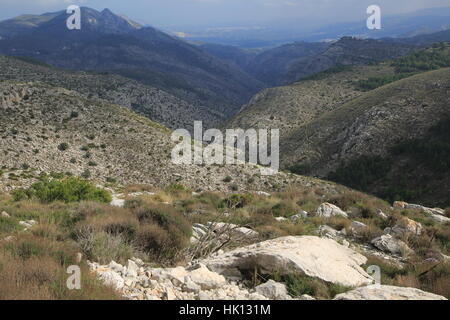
(408, 206)
(440, 219)
(327, 231)
(381, 214)
(301, 215)
(307, 255)
(357, 227)
(113, 279)
(206, 279)
(4, 214)
(388, 243)
(383, 292)
(273, 290)
(328, 210)
(405, 227)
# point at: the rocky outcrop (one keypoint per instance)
(308, 255)
(382, 292)
(409, 206)
(137, 281)
(328, 210)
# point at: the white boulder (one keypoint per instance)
(273, 290)
(382, 292)
(307, 255)
(328, 210)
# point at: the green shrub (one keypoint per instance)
(177, 188)
(164, 216)
(227, 179)
(284, 209)
(63, 146)
(298, 285)
(67, 190)
(8, 225)
(103, 247)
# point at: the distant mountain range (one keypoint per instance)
(282, 32)
(111, 43)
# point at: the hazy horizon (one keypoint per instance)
(191, 13)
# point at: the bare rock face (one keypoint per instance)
(409, 206)
(307, 255)
(382, 292)
(137, 281)
(328, 210)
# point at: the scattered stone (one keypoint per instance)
(306, 297)
(299, 216)
(262, 193)
(381, 214)
(281, 219)
(358, 227)
(206, 279)
(112, 279)
(132, 269)
(383, 292)
(388, 243)
(327, 231)
(273, 290)
(307, 255)
(405, 227)
(10, 239)
(27, 224)
(4, 214)
(195, 283)
(328, 210)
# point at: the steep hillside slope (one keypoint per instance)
(332, 120)
(107, 42)
(289, 107)
(48, 129)
(148, 101)
(371, 126)
(346, 52)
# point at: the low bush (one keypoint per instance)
(298, 285)
(236, 201)
(70, 189)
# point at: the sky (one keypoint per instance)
(165, 13)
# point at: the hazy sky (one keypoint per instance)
(225, 12)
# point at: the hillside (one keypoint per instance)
(49, 129)
(347, 51)
(335, 117)
(107, 42)
(153, 103)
